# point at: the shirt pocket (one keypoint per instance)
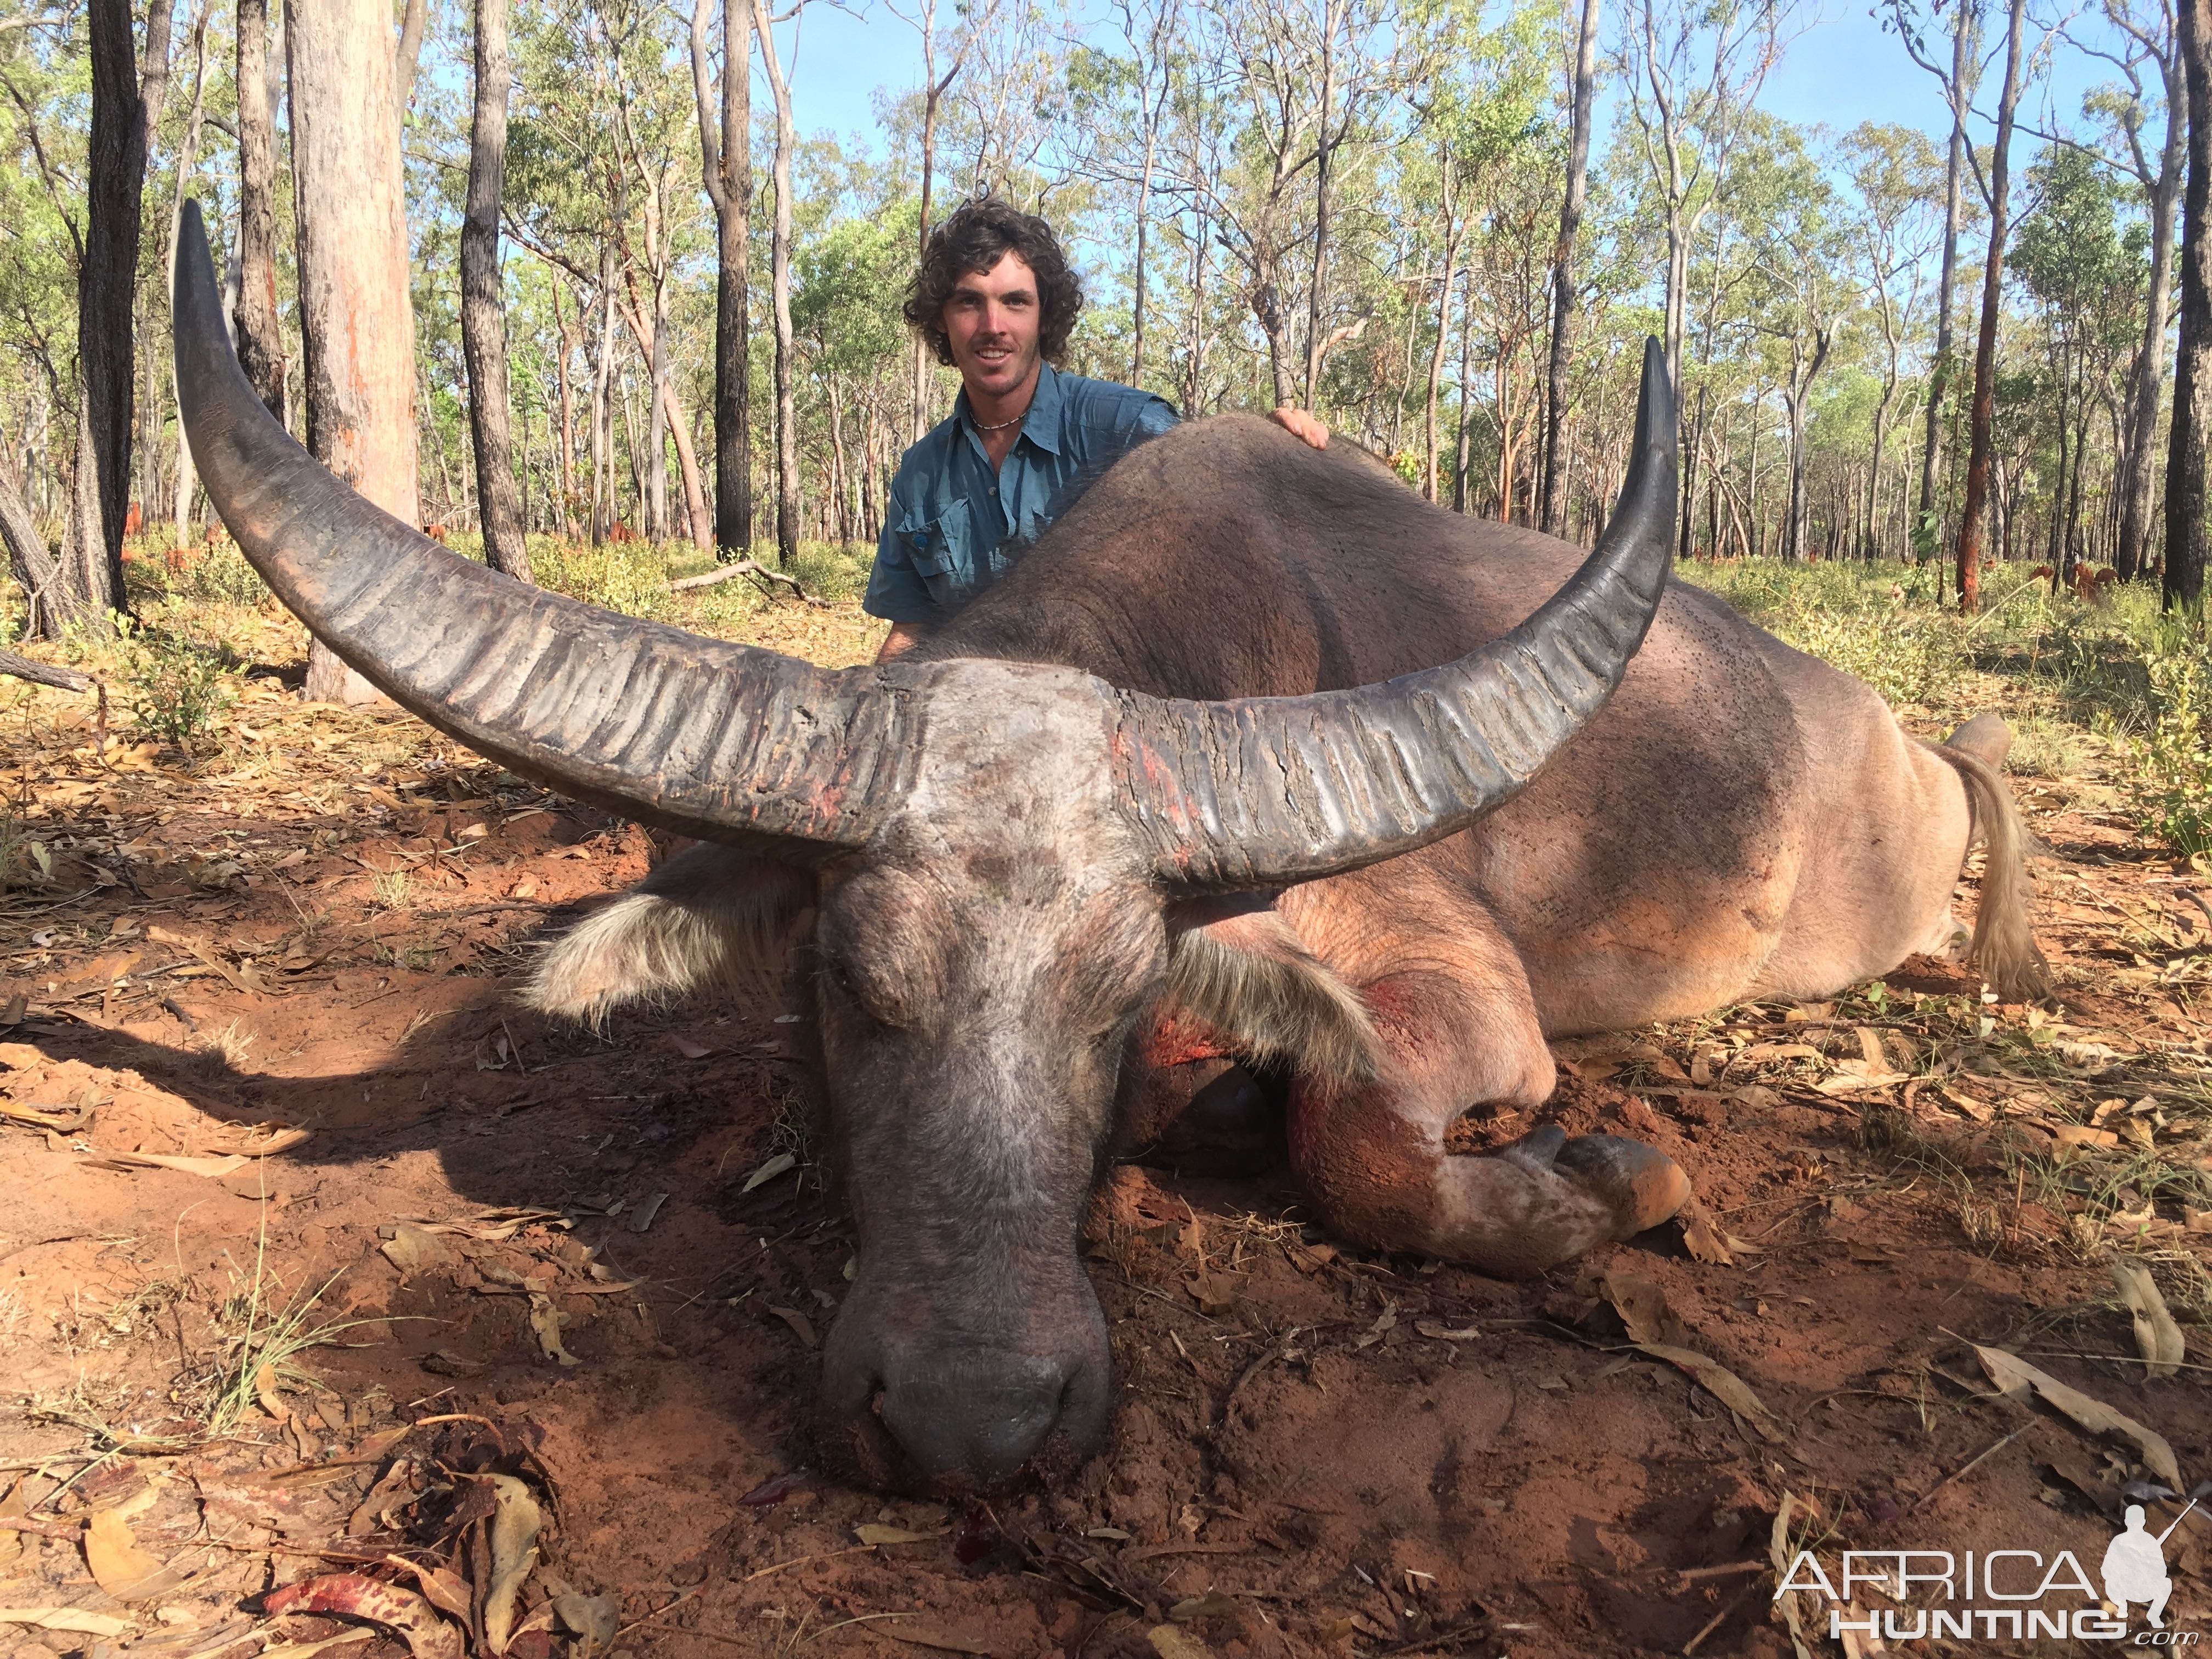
(942, 552)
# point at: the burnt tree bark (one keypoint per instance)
(260, 339)
(2147, 380)
(786, 412)
(2185, 480)
(483, 321)
(1983, 414)
(355, 320)
(1551, 508)
(726, 162)
(1925, 538)
(126, 105)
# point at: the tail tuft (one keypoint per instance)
(2003, 945)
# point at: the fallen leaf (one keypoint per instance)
(211, 1167)
(1717, 1380)
(545, 1320)
(1700, 1237)
(592, 1618)
(1437, 1333)
(1114, 1532)
(2080, 1134)
(1643, 1307)
(428, 1636)
(798, 1322)
(308, 1649)
(874, 1533)
(516, 1525)
(1170, 1642)
(68, 1619)
(1385, 1323)
(945, 1638)
(445, 1589)
(1778, 1553)
(641, 1217)
(2014, 1376)
(1211, 1605)
(16, 1502)
(2158, 1338)
(277, 1139)
(768, 1172)
(1755, 1094)
(413, 1249)
(1759, 1053)
(690, 1050)
(118, 1567)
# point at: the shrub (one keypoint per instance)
(2173, 762)
(631, 577)
(178, 685)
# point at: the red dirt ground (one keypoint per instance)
(1317, 1451)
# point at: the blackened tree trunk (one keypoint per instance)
(356, 320)
(2185, 527)
(1552, 509)
(2147, 383)
(484, 324)
(1926, 536)
(787, 409)
(726, 157)
(260, 339)
(1983, 415)
(89, 583)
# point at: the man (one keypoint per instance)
(995, 299)
(2135, 1569)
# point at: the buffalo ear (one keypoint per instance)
(711, 916)
(1239, 967)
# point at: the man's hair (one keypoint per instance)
(975, 237)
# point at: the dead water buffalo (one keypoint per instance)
(1188, 786)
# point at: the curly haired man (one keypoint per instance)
(996, 298)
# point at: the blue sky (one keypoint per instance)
(1842, 70)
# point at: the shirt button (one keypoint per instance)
(994, 489)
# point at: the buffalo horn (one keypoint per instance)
(721, 741)
(1259, 791)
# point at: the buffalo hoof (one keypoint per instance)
(1642, 1186)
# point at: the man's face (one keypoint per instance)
(992, 320)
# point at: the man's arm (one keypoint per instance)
(1299, 424)
(903, 636)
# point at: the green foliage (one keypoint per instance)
(2173, 780)
(178, 685)
(631, 577)
(1871, 621)
(224, 575)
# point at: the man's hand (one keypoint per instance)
(1299, 424)
(903, 636)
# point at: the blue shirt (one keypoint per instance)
(952, 515)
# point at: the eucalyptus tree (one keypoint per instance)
(1893, 227)
(1552, 507)
(2187, 529)
(726, 171)
(483, 326)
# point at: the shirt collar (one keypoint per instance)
(1040, 420)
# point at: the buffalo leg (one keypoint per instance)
(1460, 1029)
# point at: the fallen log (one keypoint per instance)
(43, 673)
(746, 568)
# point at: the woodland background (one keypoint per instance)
(1445, 226)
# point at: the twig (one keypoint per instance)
(1969, 1467)
(746, 568)
(1715, 1621)
(43, 673)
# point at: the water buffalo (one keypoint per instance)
(1186, 788)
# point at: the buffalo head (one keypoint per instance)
(993, 869)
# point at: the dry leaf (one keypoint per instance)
(211, 1167)
(308, 1649)
(874, 1533)
(1704, 1240)
(445, 1589)
(2158, 1338)
(1756, 1095)
(545, 1320)
(945, 1638)
(1759, 1053)
(1717, 1380)
(1643, 1307)
(594, 1618)
(1170, 1642)
(1211, 1605)
(119, 1566)
(1437, 1333)
(428, 1636)
(516, 1525)
(68, 1619)
(690, 1050)
(15, 1502)
(277, 1139)
(1777, 1552)
(2080, 1134)
(412, 1250)
(768, 1172)
(641, 1217)
(798, 1323)
(2017, 1377)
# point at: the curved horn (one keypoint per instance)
(1259, 791)
(721, 741)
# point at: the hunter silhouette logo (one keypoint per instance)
(2135, 1567)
